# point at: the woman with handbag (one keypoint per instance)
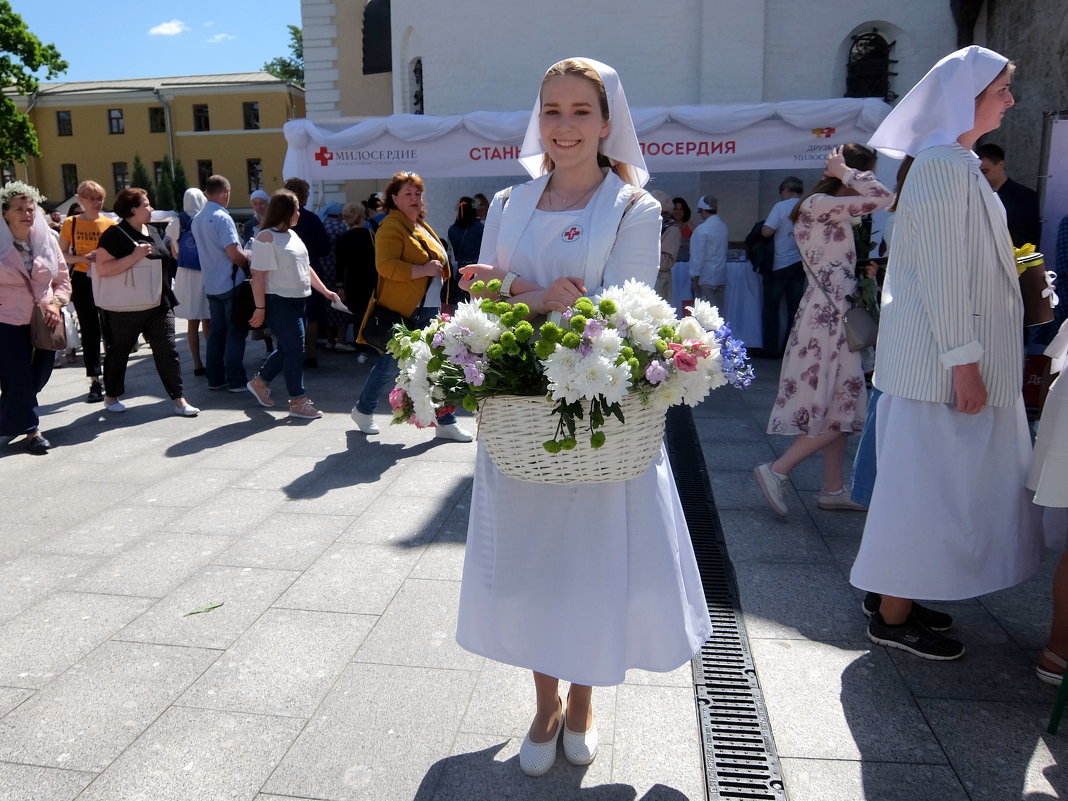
(821, 397)
(34, 286)
(950, 517)
(133, 273)
(529, 595)
(282, 280)
(411, 264)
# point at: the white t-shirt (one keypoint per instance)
(286, 262)
(786, 252)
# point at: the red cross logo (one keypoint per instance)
(823, 132)
(324, 156)
(572, 233)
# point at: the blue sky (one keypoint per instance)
(151, 39)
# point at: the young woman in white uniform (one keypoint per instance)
(576, 582)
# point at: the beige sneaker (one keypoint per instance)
(258, 387)
(304, 409)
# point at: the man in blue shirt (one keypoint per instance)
(219, 248)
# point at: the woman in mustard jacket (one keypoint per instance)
(411, 263)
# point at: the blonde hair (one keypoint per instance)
(85, 187)
(353, 214)
(580, 69)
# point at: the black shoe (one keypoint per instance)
(311, 362)
(931, 618)
(914, 637)
(199, 371)
(38, 444)
(96, 392)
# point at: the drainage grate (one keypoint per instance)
(740, 758)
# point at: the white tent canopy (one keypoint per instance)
(789, 135)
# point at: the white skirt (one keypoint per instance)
(189, 289)
(950, 517)
(1049, 471)
(581, 581)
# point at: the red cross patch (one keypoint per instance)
(571, 233)
(324, 156)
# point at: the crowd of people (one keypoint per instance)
(945, 520)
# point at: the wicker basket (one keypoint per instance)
(513, 428)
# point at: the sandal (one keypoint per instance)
(1049, 676)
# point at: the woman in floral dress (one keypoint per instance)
(821, 386)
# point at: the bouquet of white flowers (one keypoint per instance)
(625, 344)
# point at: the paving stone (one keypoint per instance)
(109, 533)
(154, 566)
(729, 455)
(285, 542)
(29, 577)
(11, 697)
(88, 716)
(361, 579)
(737, 489)
(49, 637)
(1024, 611)
(357, 747)
(245, 593)
(443, 559)
(503, 704)
(197, 754)
(407, 519)
(419, 629)
(663, 745)
(799, 601)
(189, 488)
(483, 767)
(283, 665)
(754, 537)
(1001, 750)
(680, 677)
(327, 498)
(239, 454)
(32, 783)
(848, 780)
(831, 702)
(230, 513)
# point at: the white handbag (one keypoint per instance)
(136, 289)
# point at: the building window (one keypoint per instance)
(115, 121)
(255, 174)
(868, 68)
(70, 179)
(204, 172)
(201, 121)
(251, 114)
(120, 173)
(157, 120)
(415, 96)
(64, 126)
(377, 38)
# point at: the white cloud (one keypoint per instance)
(208, 24)
(172, 28)
(219, 37)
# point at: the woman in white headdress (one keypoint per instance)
(576, 582)
(188, 283)
(949, 518)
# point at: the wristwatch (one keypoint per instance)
(506, 285)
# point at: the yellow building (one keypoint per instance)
(226, 124)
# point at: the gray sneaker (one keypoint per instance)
(773, 487)
(914, 637)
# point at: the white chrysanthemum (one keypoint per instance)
(644, 335)
(665, 395)
(471, 328)
(608, 344)
(706, 314)
(689, 328)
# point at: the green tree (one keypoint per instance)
(165, 187)
(140, 178)
(21, 56)
(179, 183)
(290, 70)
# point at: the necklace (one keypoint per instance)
(574, 202)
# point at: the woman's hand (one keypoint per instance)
(50, 310)
(257, 318)
(969, 388)
(562, 293)
(479, 272)
(143, 251)
(836, 166)
(432, 268)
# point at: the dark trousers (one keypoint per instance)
(789, 282)
(81, 294)
(122, 329)
(285, 318)
(224, 360)
(24, 372)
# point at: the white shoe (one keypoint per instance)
(189, 410)
(839, 501)
(453, 432)
(773, 486)
(116, 407)
(364, 422)
(535, 759)
(580, 747)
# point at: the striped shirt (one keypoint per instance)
(952, 295)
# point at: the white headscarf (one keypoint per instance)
(41, 240)
(193, 201)
(941, 106)
(621, 144)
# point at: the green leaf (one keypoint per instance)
(203, 609)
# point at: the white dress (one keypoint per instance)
(582, 581)
(1049, 471)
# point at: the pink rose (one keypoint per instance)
(398, 398)
(685, 361)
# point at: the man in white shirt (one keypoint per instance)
(708, 254)
(787, 278)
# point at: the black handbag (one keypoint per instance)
(378, 327)
(244, 301)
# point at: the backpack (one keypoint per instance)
(187, 245)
